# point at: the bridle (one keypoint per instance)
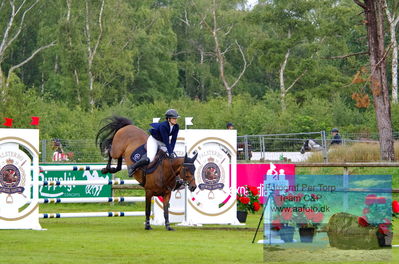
(187, 167)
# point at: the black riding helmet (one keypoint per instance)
(229, 125)
(171, 113)
(334, 130)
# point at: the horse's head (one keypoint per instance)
(310, 144)
(187, 172)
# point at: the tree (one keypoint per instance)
(92, 64)
(92, 47)
(393, 20)
(374, 21)
(219, 33)
(291, 36)
(16, 13)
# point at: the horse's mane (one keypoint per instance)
(107, 132)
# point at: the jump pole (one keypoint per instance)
(91, 214)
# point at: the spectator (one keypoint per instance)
(336, 139)
(58, 154)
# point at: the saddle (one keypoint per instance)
(142, 151)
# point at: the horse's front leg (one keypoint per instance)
(166, 199)
(148, 197)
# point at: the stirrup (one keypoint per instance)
(132, 168)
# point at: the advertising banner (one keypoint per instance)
(74, 191)
(254, 175)
(329, 212)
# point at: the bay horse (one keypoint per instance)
(119, 138)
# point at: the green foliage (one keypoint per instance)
(155, 55)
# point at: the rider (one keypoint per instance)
(162, 134)
(336, 137)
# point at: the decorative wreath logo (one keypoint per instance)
(10, 179)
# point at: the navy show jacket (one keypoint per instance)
(161, 132)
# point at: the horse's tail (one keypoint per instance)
(106, 133)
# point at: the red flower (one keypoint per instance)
(371, 199)
(276, 224)
(310, 214)
(383, 229)
(254, 190)
(395, 206)
(381, 200)
(244, 200)
(366, 211)
(247, 201)
(318, 217)
(287, 214)
(363, 221)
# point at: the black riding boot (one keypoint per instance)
(142, 162)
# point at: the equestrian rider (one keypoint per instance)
(162, 134)
(336, 137)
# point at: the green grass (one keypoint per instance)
(124, 240)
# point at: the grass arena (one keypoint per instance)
(124, 240)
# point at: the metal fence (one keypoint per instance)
(82, 150)
(355, 147)
(268, 147)
(279, 147)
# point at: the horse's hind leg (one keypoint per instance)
(108, 167)
(148, 197)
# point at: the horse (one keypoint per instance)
(119, 138)
(309, 145)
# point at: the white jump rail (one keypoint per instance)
(91, 214)
(87, 200)
(93, 200)
(74, 167)
(86, 182)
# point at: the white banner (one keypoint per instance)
(214, 200)
(17, 174)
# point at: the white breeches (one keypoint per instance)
(152, 147)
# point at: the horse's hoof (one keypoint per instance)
(113, 170)
(148, 228)
(104, 171)
(169, 228)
